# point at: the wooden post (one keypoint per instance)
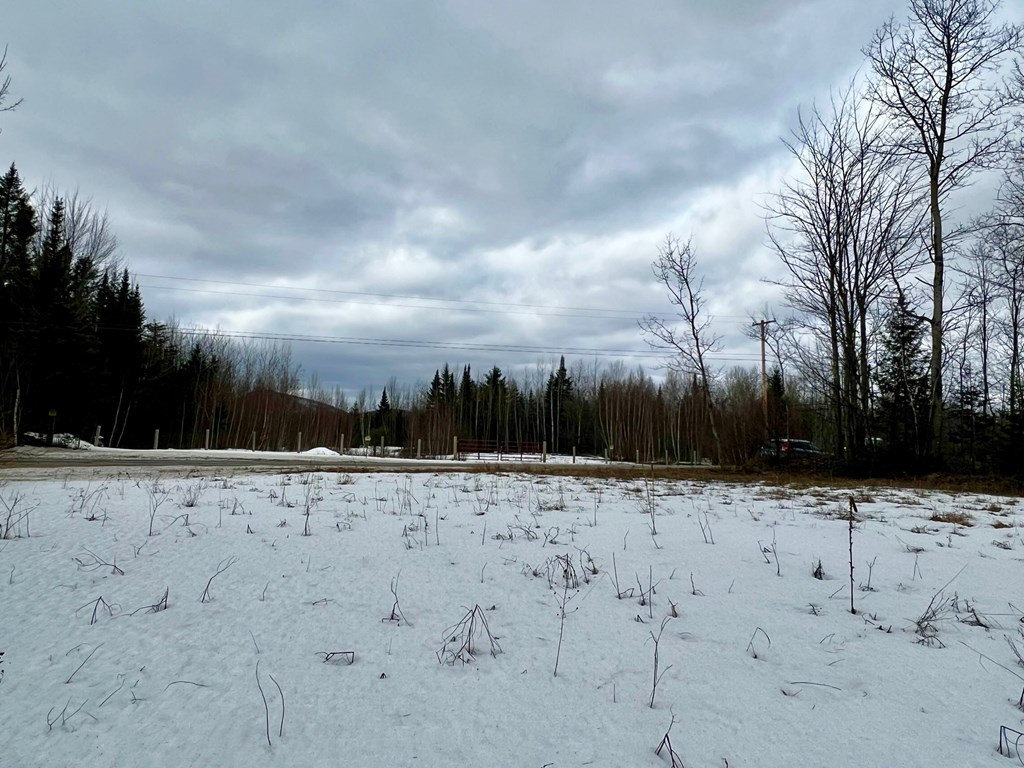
(544, 452)
(299, 449)
(97, 437)
(574, 454)
(455, 447)
(419, 447)
(206, 444)
(382, 446)
(156, 439)
(254, 440)
(343, 444)
(637, 455)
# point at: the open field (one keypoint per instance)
(314, 618)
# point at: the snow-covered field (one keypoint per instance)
(253, 620)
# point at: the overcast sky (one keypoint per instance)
(511, 164)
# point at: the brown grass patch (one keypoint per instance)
(956, 518)
(1002, 524)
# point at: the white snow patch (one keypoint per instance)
(763, 664)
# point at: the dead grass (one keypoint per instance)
(789, 482)
(956, 518)
(1002, 524)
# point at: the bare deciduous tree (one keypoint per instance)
(691, 344)
(5, 86)
(87, 231)
(846, 229)
(937, 77)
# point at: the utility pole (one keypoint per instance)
(762, 324)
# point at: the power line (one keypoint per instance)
(444, 345)
(31, 328)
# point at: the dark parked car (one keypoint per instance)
(785, 448)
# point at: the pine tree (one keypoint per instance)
(467, 404)
(435, 395)
(902, 380)
(120, 317)
(448, 385)
(559, 398)
(64, 291)
(493, 395)
(17, 230)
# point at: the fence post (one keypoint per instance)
(156, 439)
(544, 452)
(342, 443)
(455, 447)
(299, 449)
(382, 446)
(419, 447)
(254, 441)
(574, 454)
(637, 455)
(96, 437)
(206, 443)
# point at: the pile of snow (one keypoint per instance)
(251, 619)
(320, 452)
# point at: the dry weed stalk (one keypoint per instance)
(657, 675)
(222, 566)
(396, 609)
(461, 641)
(666, 744)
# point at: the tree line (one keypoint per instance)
(905, 315)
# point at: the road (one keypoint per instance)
(26, 462)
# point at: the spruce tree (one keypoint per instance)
(559, 397)
(902, 380)
(17, 230)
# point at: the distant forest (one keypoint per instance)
(76, 341)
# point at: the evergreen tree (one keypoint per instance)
(435, 395)
(902, 380)
(493, 396)
(467, 404)
(559, 399)
(17, 230)
(64, 331)
(120, 317)
(448, 390)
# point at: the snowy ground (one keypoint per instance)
(119, 650)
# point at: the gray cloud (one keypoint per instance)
(527, 152)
